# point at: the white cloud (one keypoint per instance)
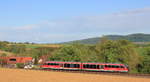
(26, 27)
(135, 11)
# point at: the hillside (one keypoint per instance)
(138, 37)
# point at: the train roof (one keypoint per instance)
(82, 62)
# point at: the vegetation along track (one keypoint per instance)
(101, 73)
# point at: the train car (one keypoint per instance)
(104, 67)
(61, 65)
(116, 68)
(85, 66)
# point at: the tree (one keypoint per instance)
(120, 51)
(18, 49)
(3, 45)
(144, 64)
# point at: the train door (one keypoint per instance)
(101, 67)
(61, 65)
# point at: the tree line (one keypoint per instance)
(106, 51)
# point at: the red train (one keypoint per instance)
(85, 66)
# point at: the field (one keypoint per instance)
(20, 75)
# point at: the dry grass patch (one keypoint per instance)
(20, 75)
(7, 53)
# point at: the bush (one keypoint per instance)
(20, 65)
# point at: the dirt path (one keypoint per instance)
(18, 75)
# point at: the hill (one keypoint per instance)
(138, 37)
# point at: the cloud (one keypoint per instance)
(136, 11)
(73, 28)
(132, 19)
(27, 27)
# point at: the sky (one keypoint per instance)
(54, 21)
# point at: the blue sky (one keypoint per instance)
(52, 21)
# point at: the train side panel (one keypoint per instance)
(85, 66)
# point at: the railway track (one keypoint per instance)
(102, 73)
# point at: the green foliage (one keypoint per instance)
(144, 65)
(18, 49)
(3, 45)
(74, 52)
(120, 51)
(20, 65)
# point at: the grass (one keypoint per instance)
(6, 53)
(42, 45)
(20, 75)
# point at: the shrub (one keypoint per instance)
(20, 65)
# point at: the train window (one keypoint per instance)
(113, 66)
(98, 66)
(74, 65)
(117, 66)
(12, 59)
(91, 66)
(86, 66)
(108, 66)
(52, 64)
(66, 65)
(94, 66)
(101, 66)
(121, 67)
